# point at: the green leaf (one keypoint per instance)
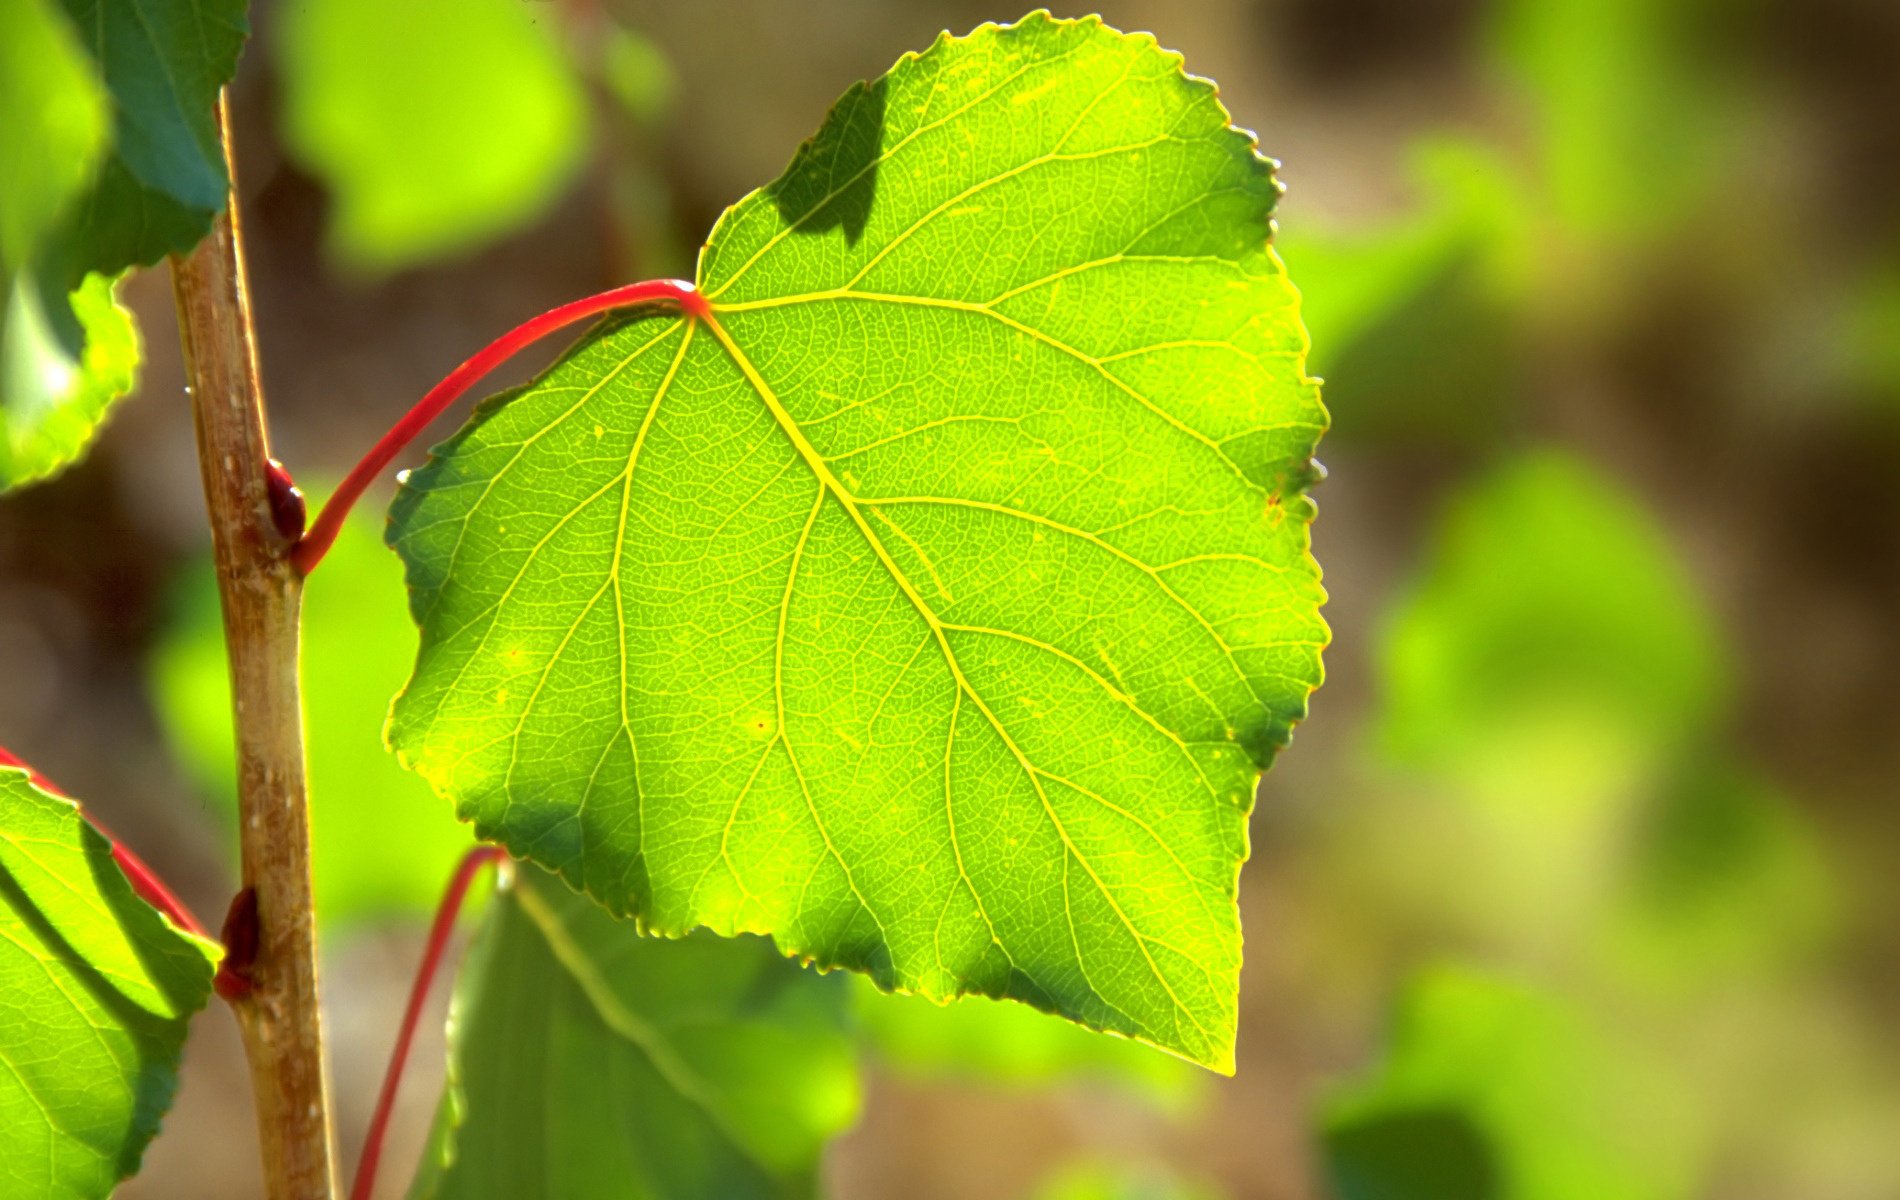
(76, 217)
(95, 993)
(935, 605)
(1011, 1045)
(1122, 1181)
(1552, 603)
(1495, 1091)
(53, 398)
(382, 845)
(165, 178)
(1422, 338)
(588, 1062)
(429, 153)
(59, 368)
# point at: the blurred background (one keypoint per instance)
(1582, 879)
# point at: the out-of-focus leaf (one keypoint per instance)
(1629, 107)
(1411, 321)
(934, 611)
(382, 843)
(53, 121)
(52, 397)
(1726, 879)
(96, 990)
(436, 124)
(1493, 1091)
(1552, 610)
(165, 178)
(1122, 1181)
(1012, 1044)
(591, 1063)
(640, 78)
(637, 73)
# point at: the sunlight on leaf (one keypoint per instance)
(935, 605)
(51, 401)
(1121, 1181)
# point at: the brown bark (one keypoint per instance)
(261, 594)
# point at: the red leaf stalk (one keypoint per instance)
(445, 914)
(315, 544)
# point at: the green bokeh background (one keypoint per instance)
(1580, 880)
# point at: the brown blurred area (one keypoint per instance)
(1775, 472)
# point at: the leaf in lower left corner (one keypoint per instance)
(96, 989)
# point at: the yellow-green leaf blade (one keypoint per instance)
(935, 604)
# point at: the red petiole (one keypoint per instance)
(465, 873)
(240, 930)
(308, 552)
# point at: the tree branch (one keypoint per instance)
(261, 596)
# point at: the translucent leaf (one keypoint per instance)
(935, 603)
(95, 993)
(381, 844)
(53, 397)
(428, 153)
(591, 1063)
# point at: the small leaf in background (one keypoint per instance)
(1494, 1091)
(1123, 1181)
(1727, 881)
(96, 990)
(592, 1063)
(1013, 1045)
(935, 604)
(1411, 321)
(1550, 667)
(1551, 601)
(382, 843)
(1631, 113)
(435, 124)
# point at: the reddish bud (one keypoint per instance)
(240, 938)
(286, 502)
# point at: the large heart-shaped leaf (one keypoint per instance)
(95, 992)
(701, 1067)
(934, 602)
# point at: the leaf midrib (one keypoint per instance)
(820, 468)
